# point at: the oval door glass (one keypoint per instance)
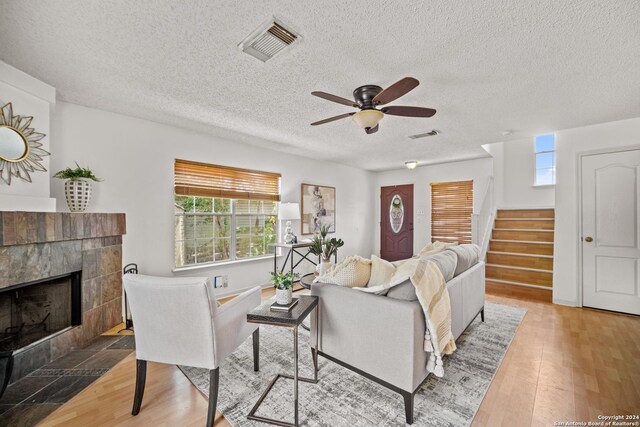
(13, 146)
(396, 213)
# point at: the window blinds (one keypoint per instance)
(451, 210)
(205, 180)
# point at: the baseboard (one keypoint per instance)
(564, 302)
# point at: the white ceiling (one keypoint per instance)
(485, 65)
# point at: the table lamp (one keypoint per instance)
(288, 212)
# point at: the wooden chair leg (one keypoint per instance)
(408, 406)
(256, 350)
(214, 379)
(141, 377)
(482, 314)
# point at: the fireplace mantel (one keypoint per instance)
(37, 245)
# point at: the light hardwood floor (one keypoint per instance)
(564, 364)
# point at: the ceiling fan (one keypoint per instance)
(368, 97)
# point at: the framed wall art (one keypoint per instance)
(318, 208)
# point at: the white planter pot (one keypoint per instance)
(78, 194)
(284, 296)
(325, 266)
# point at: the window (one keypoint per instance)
(545, 159)
(223, 213)
(451, 210)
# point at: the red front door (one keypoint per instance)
(396, 222)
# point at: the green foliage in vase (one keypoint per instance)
(283, 280)
(76, 174)
(321, 246)
(331, 247)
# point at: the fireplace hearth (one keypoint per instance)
(60, 285)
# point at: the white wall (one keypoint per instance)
(514, 168)
(29, 97)
(135, 158)
(569, 143)
(479, 170)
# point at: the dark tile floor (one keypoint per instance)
(30, 399)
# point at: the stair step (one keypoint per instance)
(521, 224)
(518, 260)
(523, 235)
(518, 291)
(520, 275)
(526, 213)
(533, 248)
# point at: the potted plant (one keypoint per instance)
(283, 282)
(324, 248)
(77, 188)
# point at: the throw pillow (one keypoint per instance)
(447, 262)
(405, 291)
(434, 248)
(354, 271)
(468, 256)
(381, 272)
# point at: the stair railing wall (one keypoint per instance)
(482, 220)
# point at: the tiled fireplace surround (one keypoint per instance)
(38, 245)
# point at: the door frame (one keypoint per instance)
(579, 156)
(379, 211)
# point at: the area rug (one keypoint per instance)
(343, 398)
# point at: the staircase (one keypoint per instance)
(521, 250)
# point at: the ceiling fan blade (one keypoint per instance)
(369, 131)
(396, 90)
(335, 98)
(408, 111)
(331, 119)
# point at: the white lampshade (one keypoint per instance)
(367, 118)
(288, 211)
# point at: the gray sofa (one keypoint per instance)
(382, 337)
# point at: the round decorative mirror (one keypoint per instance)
(21, 151)
(13, 145)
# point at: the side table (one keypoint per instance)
(291, 319)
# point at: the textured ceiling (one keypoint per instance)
(486, 66)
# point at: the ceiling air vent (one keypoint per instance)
(268, 40)
(424, 135)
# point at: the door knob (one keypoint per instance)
(588, 239)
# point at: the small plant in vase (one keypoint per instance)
(77, 188)
(324, 248)
(283, 282)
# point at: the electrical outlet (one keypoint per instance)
(225, 281)
(218, 281)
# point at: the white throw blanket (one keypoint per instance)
(432, 293)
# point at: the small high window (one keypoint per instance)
(545, 159)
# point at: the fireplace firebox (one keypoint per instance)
(30, 312)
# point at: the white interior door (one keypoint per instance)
(611, 231)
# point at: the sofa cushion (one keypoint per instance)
(434, 248)
(353, 271)
(468, 256)
(446, 262)
(405, 291)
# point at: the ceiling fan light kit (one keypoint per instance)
(368, 118)
(412, 164)
(368, 97)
